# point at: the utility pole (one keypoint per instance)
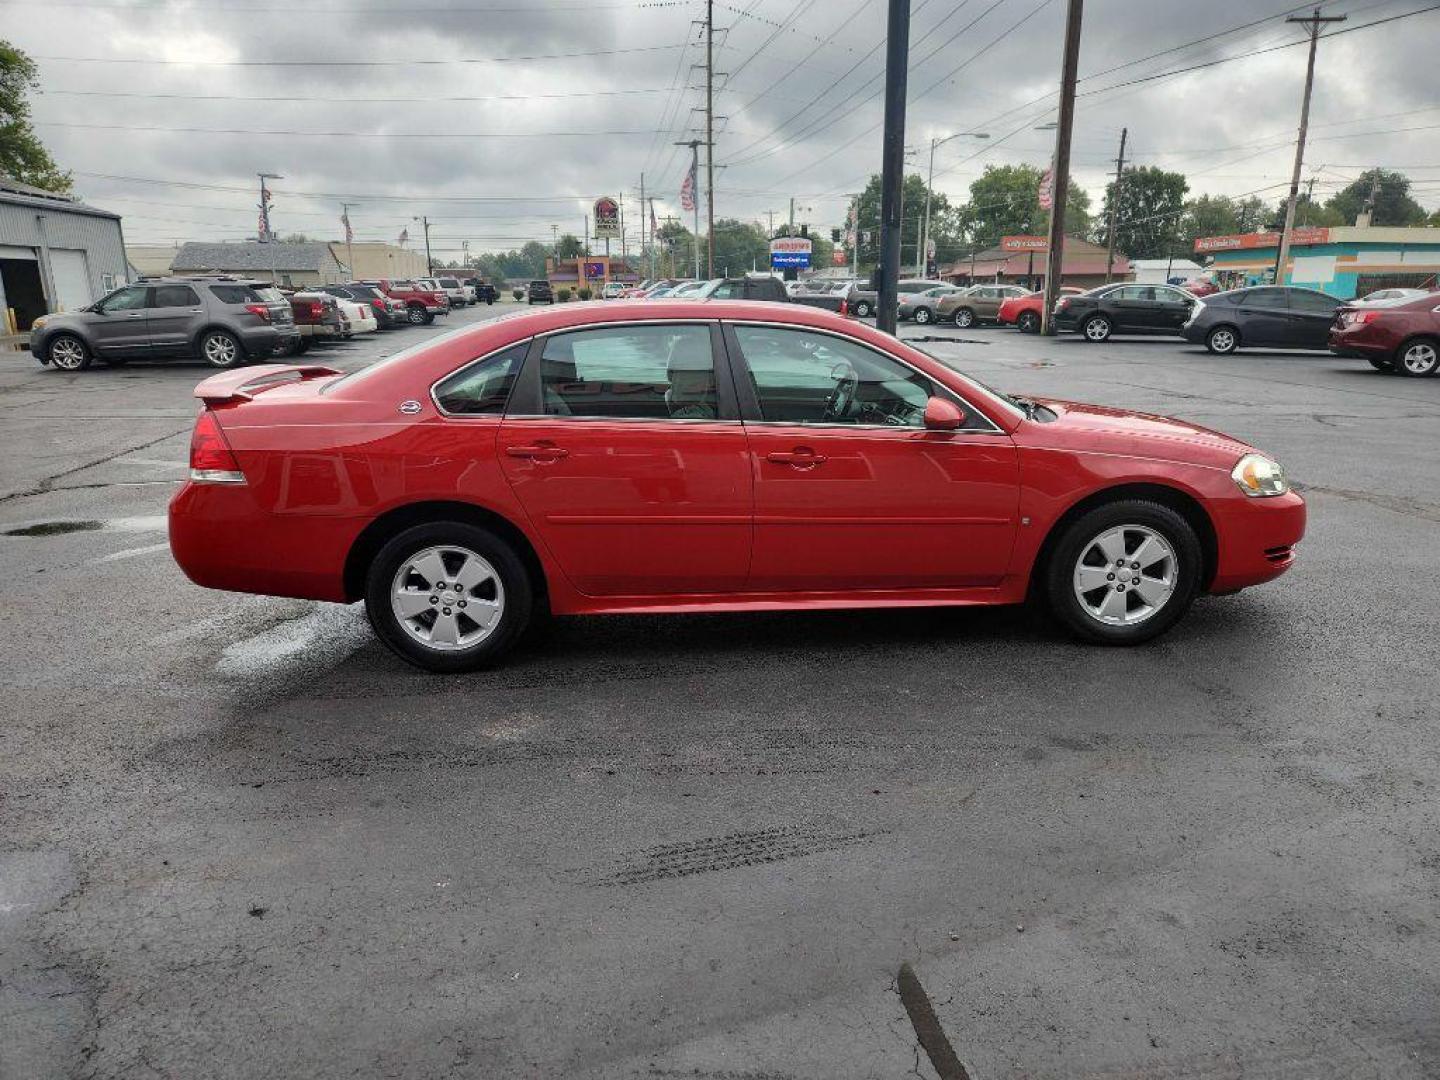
(642, 219)
(1114, 208)
(1366, 215)
(1314, 21)
(429, 266)
(710, 131)
(892, 163)
(1060, 174)
(267, 235)
(652, 238)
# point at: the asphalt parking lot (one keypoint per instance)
(238, 838)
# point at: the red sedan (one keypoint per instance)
(1400, 335)
(1023, 312)
(705, 456)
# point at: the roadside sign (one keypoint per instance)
(1024, 243)
(1046, 194)
(1299, 237)
(607, 218)
(837, 258)
(790, 252)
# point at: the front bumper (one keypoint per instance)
(1256, 539)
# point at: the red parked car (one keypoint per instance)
(1023, 312)
(684, 456)
(1400, 335)
(422, 304)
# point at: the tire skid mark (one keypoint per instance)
(753, 847)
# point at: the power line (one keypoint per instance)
(351, 134)
(312, 63)
(346, 100)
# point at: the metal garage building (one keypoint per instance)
(56, 253)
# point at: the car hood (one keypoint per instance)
(1142, 434)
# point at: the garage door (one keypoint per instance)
(72, 279)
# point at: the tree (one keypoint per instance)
(1393, 204)
(295, 238)
(22, 155)
(1147, 213)
(1005, 201)
(912, 214)
(568, 246)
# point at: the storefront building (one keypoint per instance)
(589, 271)
(1344, 261)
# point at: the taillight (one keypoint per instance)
(211, 459)
(378, 305)
(259, 311)
(317, 309)
(1355, 318)
(844, 307)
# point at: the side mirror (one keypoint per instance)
(942, 415)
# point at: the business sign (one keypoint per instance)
(1024, 243)
(607, 218)
(594, 270)
(837, 258)
(1299, 237)
(790, 252)
(1046, 193)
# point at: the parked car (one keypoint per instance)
(862, 300)
(456, 291)
(830, 296)
(920, 306)
(355, 317)
(561, 461)
(485, 292)
(389, 312)
(1401, 334)
(226, 321)
(1024, 312)
(1200, 287)
(421, 304)
(977, 304)
(613, 290)
(1390, 294)
(1278, 316)
(1125, 309)
(750, 287)
(317, 317)
(540, 292)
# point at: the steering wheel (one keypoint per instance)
(842, 398)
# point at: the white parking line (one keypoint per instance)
(130, 553)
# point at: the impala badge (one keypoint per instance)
(410, 408)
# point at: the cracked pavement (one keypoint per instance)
(239, 839)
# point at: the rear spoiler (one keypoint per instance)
(244, 384)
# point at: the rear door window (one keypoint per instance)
(173, 296)
(1313, 302)
(1266, 298)
(631, 372)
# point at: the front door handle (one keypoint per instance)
(136, 315)
(540, 452)
(802, 457)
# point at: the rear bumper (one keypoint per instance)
(1360, 341)
(1257, 539)
(264, 340)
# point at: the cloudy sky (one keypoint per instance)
(503, 119)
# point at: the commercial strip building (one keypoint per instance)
(292, 265)
(1020, 260)
(374, 261)
(1344, 261)
(590, 271)
(56, 254)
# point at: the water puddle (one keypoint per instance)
(150, 523)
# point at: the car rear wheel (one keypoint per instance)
(863, 309)
(1222, 340)
(1418, 357)
(448, 596)
(1097, 328)
(221, 349)
(964, 318)
(68, 353)
(923, 316)
(1029, 322)
(416, 314)
(1124, 573)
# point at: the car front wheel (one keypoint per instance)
(1417, 358)
(922, 316)
(1097, 328)
(448, 596)
(1029, 322)
(964, 318)
(221, 349)
(1222, 340)
(1124, 573)
(862, 309)
(68, 353)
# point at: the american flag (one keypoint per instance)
(345, 220)
(687, 190)
(404, 236)
(653, 224)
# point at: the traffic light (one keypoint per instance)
(834, 236)
(805, 231)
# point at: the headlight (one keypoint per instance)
(39, 323)
(1258, 476)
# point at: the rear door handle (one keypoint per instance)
(800, 458)
(538, 452)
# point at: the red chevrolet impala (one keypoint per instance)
(705, 456)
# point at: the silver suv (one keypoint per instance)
(225, 321)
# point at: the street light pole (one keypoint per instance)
(892, 167)
(267, 235)
(1115, 208)
(923, 257)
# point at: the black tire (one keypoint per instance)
(73, 355)
(1062, 569)
(518, 599)
(862, 309)
(923, 316)
(1222, 340)
(964, 318)
(221, 349)
(1028, 322)
(301, 346)
(416, 314)
(1418, 357)
(1097, 329)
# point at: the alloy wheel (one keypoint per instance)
(447, 598)
(416, 316)
(1125, 575)
(1222, 341)
(1419, 358)
(67, 354)
(964, 318)
(1029, 323)
(922, 315)
(1097, 329)
(221, 350)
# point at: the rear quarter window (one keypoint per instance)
(235, 294)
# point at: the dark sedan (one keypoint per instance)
(1400, 335)
(1125, 309)
(1269, 316)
